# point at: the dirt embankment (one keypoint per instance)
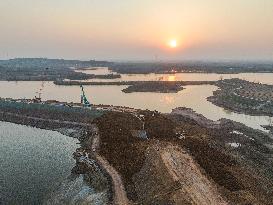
(196, 188)
(183, 158)
(171, 176)
(119, 193)
(236, 157)
(152, 168)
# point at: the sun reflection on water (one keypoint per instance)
(167, 100)
(171, 78)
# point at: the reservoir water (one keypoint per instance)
(34, 162)
(266, 78)
(192, 96)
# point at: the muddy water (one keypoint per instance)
(33, 163)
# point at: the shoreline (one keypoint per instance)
(141, 86)
(232, 109)
(71, 83)
(141, 169)
(88, 161)
(244, 97)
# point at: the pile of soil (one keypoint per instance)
(237, 182)
(123, 151)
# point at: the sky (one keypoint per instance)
(137, 29)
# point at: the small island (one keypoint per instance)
(156, 86)
(141, 86)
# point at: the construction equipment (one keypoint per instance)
(84, 100)
(38, 99)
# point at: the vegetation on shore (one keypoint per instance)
(161, 87)
(230, 161)
(142, 86)
(193, 67)
(244, 97)
(42, 69)
(49, 111)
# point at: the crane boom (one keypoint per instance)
(84, 99)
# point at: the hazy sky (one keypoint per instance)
(137, 29)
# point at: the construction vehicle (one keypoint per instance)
(84, 100)
(38, 98)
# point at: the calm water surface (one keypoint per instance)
(192, 97)
(33, 163)
(266, 78)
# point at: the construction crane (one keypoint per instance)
(84, 100)
(38, 99)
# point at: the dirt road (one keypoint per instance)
(120, 197)
(195, 187)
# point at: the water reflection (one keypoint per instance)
(33, 162)
(266, 78)
(192, 97)
(167, 100)
(171, 78)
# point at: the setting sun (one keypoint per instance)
(173, 43)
